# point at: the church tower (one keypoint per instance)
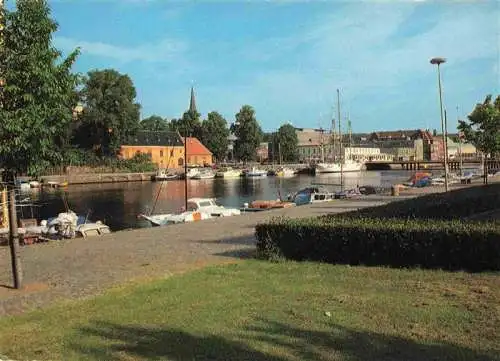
(192, 103)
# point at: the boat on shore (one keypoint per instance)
(198, 209)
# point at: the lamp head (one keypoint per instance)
(438, 60)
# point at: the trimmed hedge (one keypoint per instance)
(451, 245)
(455, 204)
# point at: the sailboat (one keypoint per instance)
(344, 165)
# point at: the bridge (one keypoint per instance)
(425, 164)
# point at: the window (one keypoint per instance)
(161, 153)
(171, 152)
(180, 162)
(206, 204)
(138, 153)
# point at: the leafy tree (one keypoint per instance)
(249, 134)
(38, 92)
(110, 114)
(215, 135)
(285, 143)
(190, 124)
(483, 128)
(155, 123)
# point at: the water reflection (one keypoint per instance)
(118, 204)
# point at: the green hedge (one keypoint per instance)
(451, 245)
(455, 204)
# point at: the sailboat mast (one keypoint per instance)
(340, 144)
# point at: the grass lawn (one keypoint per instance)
(272, 311)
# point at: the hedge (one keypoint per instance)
(450, 245)
(455, 204)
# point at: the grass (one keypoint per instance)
(273, 311)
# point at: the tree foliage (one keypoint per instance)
(249, 134)
(285, 144)
(110, 114)
(189, 125)
(155, 123)
(38, 95)
(483, 127)
(215, 133)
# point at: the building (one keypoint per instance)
(166, 149)
(197, 153)
(469, 151)
(263, 152)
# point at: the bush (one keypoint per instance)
(455, 204)
(450, 245)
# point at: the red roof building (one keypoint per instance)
(197, 153)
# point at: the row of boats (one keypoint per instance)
(227, 173)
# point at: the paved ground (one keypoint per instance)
(79, 268)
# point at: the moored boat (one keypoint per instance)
(228, 173)
(255, 172)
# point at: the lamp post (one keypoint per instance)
(438, 61)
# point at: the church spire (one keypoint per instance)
(192, 103)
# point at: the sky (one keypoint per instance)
(288, 58)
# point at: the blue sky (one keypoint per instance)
(287, 58)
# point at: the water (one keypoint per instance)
(118, 204)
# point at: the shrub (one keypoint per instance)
(450, 245)
(455, 204)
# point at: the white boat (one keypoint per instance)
(286, 173)
(338, 167)
(204, 174)
(311, 195)
(35, 184)
(198, 209)
(254, 172)
(192, 172)
(92, 229)
(228, 173)
(162, 175)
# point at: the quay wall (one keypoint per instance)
(94, 178)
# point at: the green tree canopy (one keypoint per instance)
(190, 124)
(110, 114)
(215, 133)
(155, 123)
(285, 144)
(249, 134)
(483, 127)
(38, 95)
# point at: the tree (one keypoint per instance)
(110, 114)
(215, 135)
(155, 123)
(285, 144)
(190, 125)
(248, 133)
(38, 95)
(483, 128)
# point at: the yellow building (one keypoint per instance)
(165, 148)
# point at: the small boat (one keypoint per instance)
(198, 209)
(92, 229)
(286, 173)
(254, 172)
(162, 175)
(204, 174)
(228, 173)
(53, 184)
(338, 167)
(311, 195)
(192, 172)
(34, 184)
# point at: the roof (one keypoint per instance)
(194, 146)
(152, 138)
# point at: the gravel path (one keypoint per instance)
(81, 268)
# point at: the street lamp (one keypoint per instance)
(438, 61)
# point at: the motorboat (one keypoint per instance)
(197, 209)
(255, 172)
(339, 167)
(311, 195)
(162, 175)
(228, 173)
(286, 173)
(92, 229)
(204, 174)
(192, 172)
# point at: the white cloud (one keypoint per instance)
(162, 51)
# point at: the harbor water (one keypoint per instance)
(119, 204)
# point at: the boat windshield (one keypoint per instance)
(206, 204)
